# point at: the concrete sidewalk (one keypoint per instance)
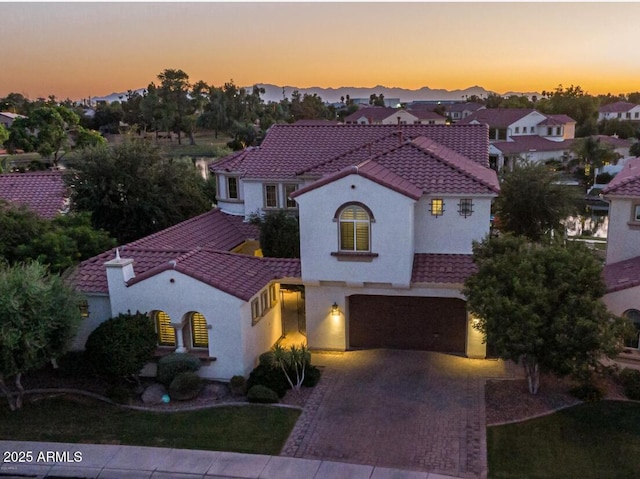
(92, 461)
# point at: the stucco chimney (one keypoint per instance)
(119, 270)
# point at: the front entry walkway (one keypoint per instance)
(413, 410)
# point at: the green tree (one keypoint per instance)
(4, 135)
(635, 149)
(39, 315)
(591, 154)
(131, 190)
(574, 102)
(174, 94)
(540, 305)
(279, 234)
(532, 203)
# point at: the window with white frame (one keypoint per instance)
(354, 229)
(232, 188)
(270, 196)
(288, 190)
(437, 207)
(517, 129)
(636, 213)
(465, 207)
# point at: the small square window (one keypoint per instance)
(517, 129)
(437, 207)
(465, 207)
(636, 213)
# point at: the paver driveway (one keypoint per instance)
(406, 409)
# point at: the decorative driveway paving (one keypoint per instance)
(405, 409)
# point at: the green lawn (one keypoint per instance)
(248, 429)
(595, 440)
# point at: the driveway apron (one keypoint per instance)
(406, 409)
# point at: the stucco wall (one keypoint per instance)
(620, 301)
(451, 233)
(392, 234)
(623, 240)
(99, 311)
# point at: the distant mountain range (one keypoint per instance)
(333, 95)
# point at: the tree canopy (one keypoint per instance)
(131, 190)
(532, 203)
(279, 234)
(540, 305)
(59, 243)
(39, 319)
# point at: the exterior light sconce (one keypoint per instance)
(475, 322)
(83, 306)
(335, 310)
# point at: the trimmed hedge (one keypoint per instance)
(173, 364)
(262, 394)
(185, 386)
(238, 385)
(270, 377)
(121, 346)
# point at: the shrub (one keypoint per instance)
(269, 377)
(185, 386)
(630, 379)
(238, 385)
(262, 394)
(121, 346)
(311, 377)
(173, 364)
(120, 393)
(589, 392)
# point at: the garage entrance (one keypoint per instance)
(407, 322)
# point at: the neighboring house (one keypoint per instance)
(622, 267)
(534, 135)
(377, 115)
(43, 192)
(387, 217)
(620, 110)
(459, 111)
(7, 118)
(619, 145)
(428, 117)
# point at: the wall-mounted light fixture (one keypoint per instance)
(335, 310)
(475, 321)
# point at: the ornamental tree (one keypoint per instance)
(540, 305)
(38, 318)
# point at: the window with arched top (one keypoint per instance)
(355, 229)
(166, 333)
(633, 315)
(198, 330)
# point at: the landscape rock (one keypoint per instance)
(153, 394)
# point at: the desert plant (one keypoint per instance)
(121, 346)
(262, 394)
(293, 363)
(173, 364)
(185, 386)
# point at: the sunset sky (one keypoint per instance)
(77, 50)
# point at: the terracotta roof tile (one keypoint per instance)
(626, 182)
(42, 192)
(497, 117)
(617, 107)
(442, 268)
(289, 149)
(622, 275)
(528, 143)
(372, 113)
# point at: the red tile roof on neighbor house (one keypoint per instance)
(442, 268)
(462, 107)
(290, 149)
(418, 166)
(622, 275)
(497, 117)
(43, 192)
(531, 143)
(617, 107)
(199, 247)
(626, 182)
(373, 114)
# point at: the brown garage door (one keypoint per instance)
(430, 324)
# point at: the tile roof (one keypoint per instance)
(528, 143)
(556, 120)
(239, 275)
(442, 268)
(316, 122)
(13, 116)
(626, 182)
(372, 113)
(213, 231)
(617, 107)
(424, 114)
(622, 275)
(43, 192)
(613, 141)
(290, 149)
(423, 163)
(461, 107)
(497, 117)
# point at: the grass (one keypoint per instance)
(592, 440)
(247, 429)
(207, 145)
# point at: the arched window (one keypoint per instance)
(355, 229)
(198, 331)
(164, 330)
(633, 315)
